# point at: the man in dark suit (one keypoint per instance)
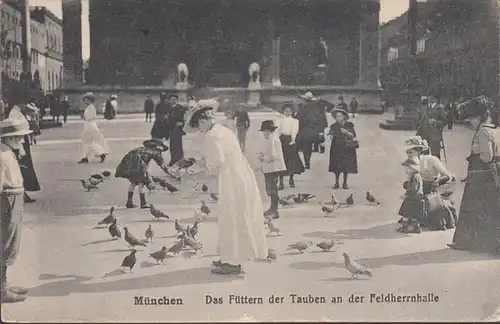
(176, 121)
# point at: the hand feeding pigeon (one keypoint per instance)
(204, 208)
(214, 196)
(326, 246)
(156, 213)
(355, 268)
(159, 256)
(272, 228)
(271, 255)
(204, 188)
(129, 261)
(87, 185)
(149, 234)
(132, 240)
(371, 199)
(176, 247)
(299, 246)
(114, 231)
(109, 219)
(350, 200)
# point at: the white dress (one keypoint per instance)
(240, 220)
(94, 143)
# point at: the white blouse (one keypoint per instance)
(288, 126)
(431, 167)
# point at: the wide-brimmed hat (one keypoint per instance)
(207, 106)
(156, 144)
(267, 125)
(416, 142)
(475, 107)
(343, 111)
(14, 127)
(308, 96)
(89, 95)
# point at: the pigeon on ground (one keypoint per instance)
(191, 242)
(149, 234)
(355, 268)
(299, 246)
(176, 247)
(129, 261)
(185, 163)
(272, 228)
(204, 208)
(178, 227)
(156, 213)
(159, 256)
(191, 232)
(165, 185)
(109, 219)
(87, 185)
(326, 246)
(371, 199)
(288, 202)
(204, 188)
(199, 216)
(350, 200)
(214, 196)
(328, 210)
(96, 179)
(114, 231)
(132, 240)
(106, 174)
(303, 197)
(271, 255)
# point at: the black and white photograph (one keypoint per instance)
(250, 161)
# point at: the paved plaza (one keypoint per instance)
(73, 274)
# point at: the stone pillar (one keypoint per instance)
(26, 32)
(276, 61)
(72, 42)
(369, 49)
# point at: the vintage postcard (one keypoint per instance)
(254, 161)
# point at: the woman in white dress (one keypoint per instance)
(94, 143)
(240, 221)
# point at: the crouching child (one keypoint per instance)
(273, 165)
(412, 208)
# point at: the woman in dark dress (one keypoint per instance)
(343, 147)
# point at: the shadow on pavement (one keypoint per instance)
(99, 242)
(412, 259)
(387, 231)
(77, 285)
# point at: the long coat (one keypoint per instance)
(312, 121)
(241, 229)
(176, 121)
(342, 158)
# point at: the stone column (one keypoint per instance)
(26, 32)
(72, 42)
(369, 49)
(276, 61)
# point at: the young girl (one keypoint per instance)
(412, 208)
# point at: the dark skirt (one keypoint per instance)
(133, 168)
(176, 150)
(305, 139)
(293, 162)
(342, 159)
(28, 169)
(412, 207)
(478, 227)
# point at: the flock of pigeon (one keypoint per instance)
(186, 236)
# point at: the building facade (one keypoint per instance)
(46, 54)
(456, 46)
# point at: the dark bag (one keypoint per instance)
(351, 144)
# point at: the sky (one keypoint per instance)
(389, 9)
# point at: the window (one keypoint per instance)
(392, 54)
(421, 45)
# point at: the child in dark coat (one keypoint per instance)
(412, 208)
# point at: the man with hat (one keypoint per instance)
(12, 132)
(134, 168)
(312, 124)
(176, 121)
(431, 124)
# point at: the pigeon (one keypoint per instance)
(129, 261)
(271, 255)
(371, 199)
(106, 174)
(288, 202)
(132, 240)
(191, 232)
(96, 179)
(326, 246)
(355, 268)
(272, 228)
(204, 188)
(176, 247)
(328, 210)
(299, 246)
(114, 231)
(159, 256)
(185, 163)
(149, 234)
(178, 227)
(350, 200)
(301, 198)
(165, 185)
(109, 219)
(87, 185)
(191, 242)
(204, 208)
(214, 196)
(156, 213)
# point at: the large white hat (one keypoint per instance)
(14, 127)
(209, 105)
(89, 95)
(416, 142)
(308, 96)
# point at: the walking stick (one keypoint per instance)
(444, 151)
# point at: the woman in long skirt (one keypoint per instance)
(288, 128)
(241, 226)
